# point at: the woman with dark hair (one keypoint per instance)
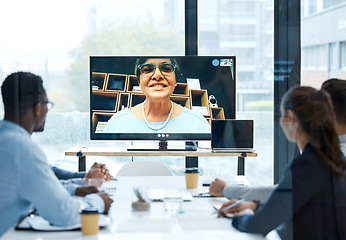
(157, 80)
(337, 91)
(311, 196)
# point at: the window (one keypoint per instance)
(315, 58)
(55, 39)
(343, 55)
(245, 29)
(237, 9)
(323, 54)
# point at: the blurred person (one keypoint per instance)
(311, 196)
(26, 179)
(157, 79)
(337, 91)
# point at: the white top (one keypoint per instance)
(188, 121)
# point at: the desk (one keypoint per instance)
(82, 152)
(198, 211)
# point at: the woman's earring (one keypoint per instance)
(176, 84)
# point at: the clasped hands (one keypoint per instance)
(98, 170)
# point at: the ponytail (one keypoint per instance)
(315, 114)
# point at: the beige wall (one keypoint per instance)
(313, 79)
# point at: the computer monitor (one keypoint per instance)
(204, 86)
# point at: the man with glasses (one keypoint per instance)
(98, 170)
(157, 80)
(26, 178)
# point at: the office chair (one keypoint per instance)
(145, 168)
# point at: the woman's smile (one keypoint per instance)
(158, 86)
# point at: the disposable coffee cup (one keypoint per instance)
(191, 178)
(90, 221)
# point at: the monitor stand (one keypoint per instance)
(163, 146)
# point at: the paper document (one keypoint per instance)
(41, 224)
(197, 220)
(145, 225)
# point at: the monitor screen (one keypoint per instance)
(160, 98)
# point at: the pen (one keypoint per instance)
(237, 203)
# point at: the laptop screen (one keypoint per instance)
(231, 134)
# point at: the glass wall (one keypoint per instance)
(55, 39)
(323, 41)
(245, 29)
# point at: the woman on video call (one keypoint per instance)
(157, 79)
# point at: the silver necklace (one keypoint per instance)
(163, 125)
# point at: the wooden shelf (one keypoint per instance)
(132, 82)
(217, 113)
(116, 82)
(199, 101)
(123, 101)
(99, 120)
(104, 101)
(181, 89)
(116, 93)
(107, 151)
(136, 98)
(183, 101)
(98, 79)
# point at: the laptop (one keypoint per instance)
(232, 135)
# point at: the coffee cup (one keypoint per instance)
(191, 177)
(90, 221)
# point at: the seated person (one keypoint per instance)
(337, 91)
(157, 79)
(336, 88)
(26, 179)
(313, 188)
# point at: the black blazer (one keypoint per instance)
(310, 193)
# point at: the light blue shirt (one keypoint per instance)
(67, 177)
(187, 122)
(27, 181)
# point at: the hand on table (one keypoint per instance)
(83, 191)
(241, 209)
(216, 188)
(98, 170)
(107, 200)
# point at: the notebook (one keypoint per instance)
(232, 135)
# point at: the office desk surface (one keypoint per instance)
(197, 221)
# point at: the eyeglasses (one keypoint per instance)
(49, 104)
(148, 69)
